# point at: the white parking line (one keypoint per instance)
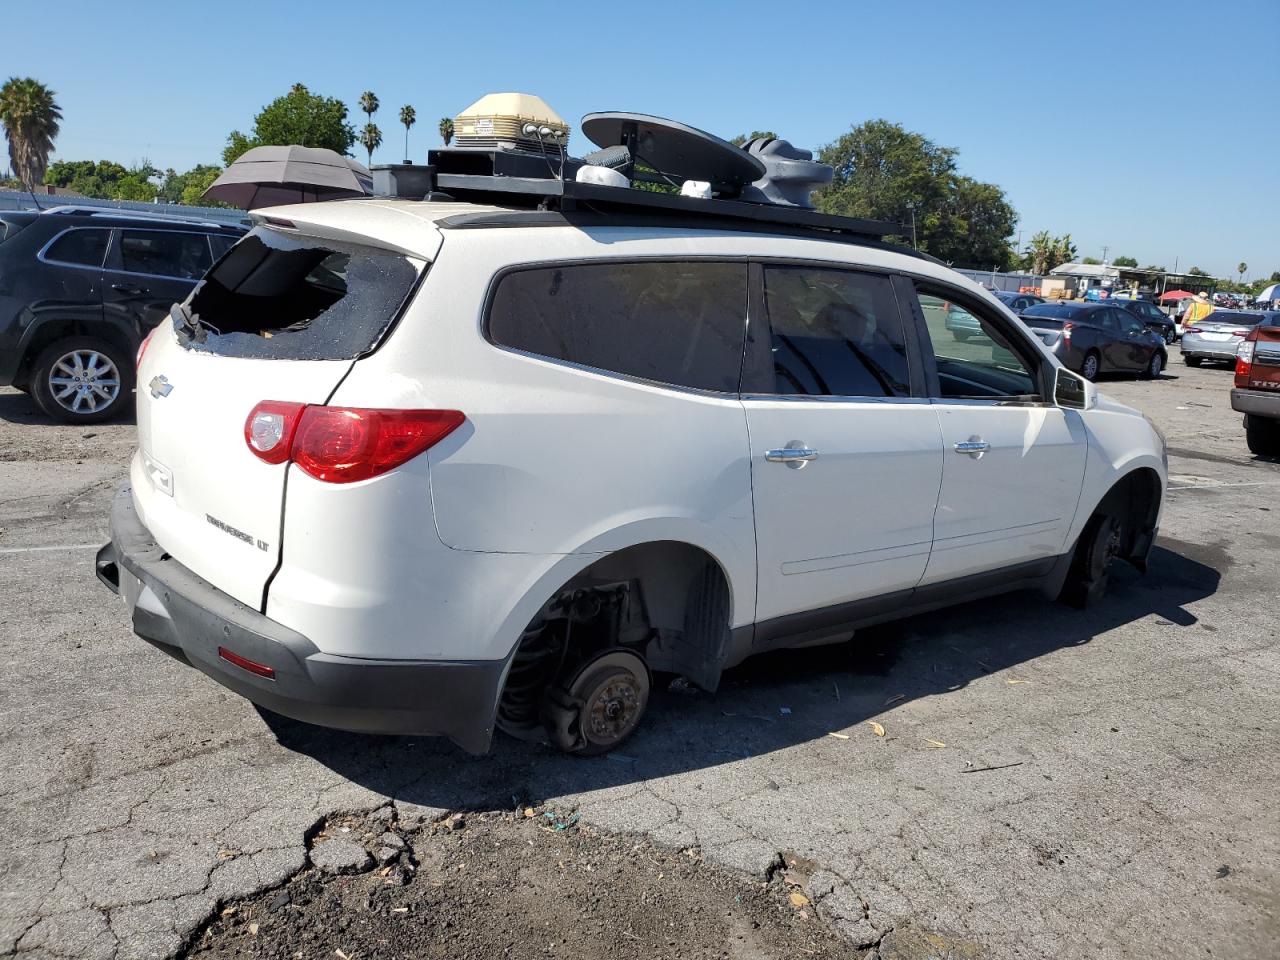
(65, 546)
(1226, 483)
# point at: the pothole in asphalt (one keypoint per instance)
(528, 883)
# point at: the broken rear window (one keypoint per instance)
(283, 297)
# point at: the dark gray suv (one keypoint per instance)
(79, 290)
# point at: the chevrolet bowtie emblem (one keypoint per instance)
(160, 386)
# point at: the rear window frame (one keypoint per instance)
(184, 339)
(43, 254)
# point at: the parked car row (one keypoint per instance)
(79, 290)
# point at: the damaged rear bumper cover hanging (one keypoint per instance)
(280, 669)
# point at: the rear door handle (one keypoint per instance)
(129, 289)
(975, 447)
(795, 455)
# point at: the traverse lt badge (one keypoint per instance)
(160, 386)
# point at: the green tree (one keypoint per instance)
(187, 187)
(88, 178)
(1124, 262)
(1046, 251)
(408, 116)
(742, 138)
(1091, 261)
(885, 172)
(371, 137)
(1241, 269)
(200, 179)
(1196, 272)
(30, 117)
(369, 104)
(134, 186)
(446, 130)
(299, 117)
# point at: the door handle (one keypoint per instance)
(975, 447)
(129, 289)
(795, 454)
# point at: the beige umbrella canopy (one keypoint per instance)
(269, 176)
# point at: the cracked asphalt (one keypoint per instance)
(1049, 782)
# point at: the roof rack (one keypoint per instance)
(572, 197)
(127, 214)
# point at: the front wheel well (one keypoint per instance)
(1135, 500)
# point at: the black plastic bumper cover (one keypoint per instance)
(190, 619)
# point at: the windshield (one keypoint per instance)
(293, 297)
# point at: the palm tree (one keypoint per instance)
(371, 137)
(369, 104)
(1241, 267)
(446, 130)
(30, 116)
(408, 116)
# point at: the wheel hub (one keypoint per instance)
(84, 381)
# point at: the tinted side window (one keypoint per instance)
(1109, 319)
(220, 244)
(83, 247)
(835, 333)
(165, 254)
(682, 323)
(987, 366)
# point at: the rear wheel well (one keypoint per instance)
(667, 600)
(51, 331)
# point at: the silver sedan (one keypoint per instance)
(1217, 336)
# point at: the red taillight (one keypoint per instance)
(1239, 333)
(261, 669)
(1066, 331)
(269, 429)
(1192, 330)
(344, 444)
(1244, 363)
(142, 348)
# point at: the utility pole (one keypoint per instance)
(1105, 248)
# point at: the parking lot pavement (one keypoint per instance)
(1049, 782)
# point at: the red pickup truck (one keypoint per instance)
(1257, 389)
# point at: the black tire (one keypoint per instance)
(1090, 571)
(1086, 371)
(1154, 366)
(1262, 435)
(960, 335)
(600, 706)
(82, 380)
(1191, 361)
(1170, 335)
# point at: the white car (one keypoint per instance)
(440, 468)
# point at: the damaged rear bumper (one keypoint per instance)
(197, 623)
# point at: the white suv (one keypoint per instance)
(436, 468)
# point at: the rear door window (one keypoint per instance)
(681, 322)
(278, 296)
(220, 244)
(835, 333)
(81, 248)
(162, 253)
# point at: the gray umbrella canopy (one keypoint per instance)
(268, 176)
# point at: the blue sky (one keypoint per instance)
(1152, 129)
